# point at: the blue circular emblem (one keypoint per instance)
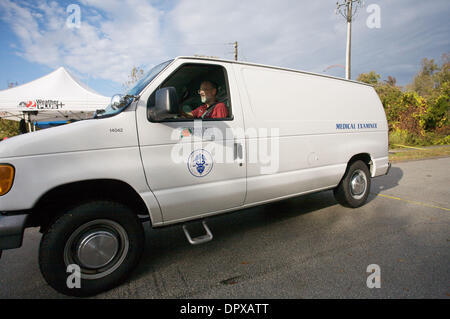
(200, 163)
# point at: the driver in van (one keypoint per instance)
(211, 108)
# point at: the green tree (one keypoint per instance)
(433, 83)
(420, 114)
(391, 81)
(437, 116)
(443, 75)
(8, 128)
(370, 78)
(425, 81)
(390, 95)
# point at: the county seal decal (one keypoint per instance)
(200, 163)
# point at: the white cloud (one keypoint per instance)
(116, 35)
(104, 48)
(271, 32)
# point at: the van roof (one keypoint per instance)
(268, 66)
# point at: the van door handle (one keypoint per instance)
(237, 150)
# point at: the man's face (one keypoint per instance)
(207, 92)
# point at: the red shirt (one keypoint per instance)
(219, 111)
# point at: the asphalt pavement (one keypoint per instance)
(304, 247)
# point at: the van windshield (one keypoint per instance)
(129, 96)
(147, 78)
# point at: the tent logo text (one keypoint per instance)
(42, 105)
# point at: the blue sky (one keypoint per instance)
(116, 35)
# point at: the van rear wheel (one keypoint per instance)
(103, 240)
(354, 187)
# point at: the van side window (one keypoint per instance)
(202, 91)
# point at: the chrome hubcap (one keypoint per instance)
(358, 184)
(98, 247)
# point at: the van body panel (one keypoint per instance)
(165, 155)
(87, 135)
(245, 206)
(381, 166)
(318, 124)
(86, 150)
(314, 124)
(41, 173)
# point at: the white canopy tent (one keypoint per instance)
(57, 96)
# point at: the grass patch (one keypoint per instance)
(409, 155)
(410, 139)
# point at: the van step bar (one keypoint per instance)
(200, 239)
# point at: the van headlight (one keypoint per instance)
(6, 178)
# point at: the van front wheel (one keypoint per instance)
(91, 248)
(354, 187)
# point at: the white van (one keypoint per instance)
(90, 185)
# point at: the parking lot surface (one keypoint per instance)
(304, 247)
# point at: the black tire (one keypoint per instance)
(345, 194)
(101, 220)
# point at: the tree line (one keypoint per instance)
(417, 114)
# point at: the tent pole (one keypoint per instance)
(29, 123)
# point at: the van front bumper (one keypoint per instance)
(11, 230)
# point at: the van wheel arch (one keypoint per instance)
(53, 202)
(364, 157)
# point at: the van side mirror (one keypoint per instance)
(166, 104)
(166, 101)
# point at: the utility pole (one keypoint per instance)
(348, 11)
